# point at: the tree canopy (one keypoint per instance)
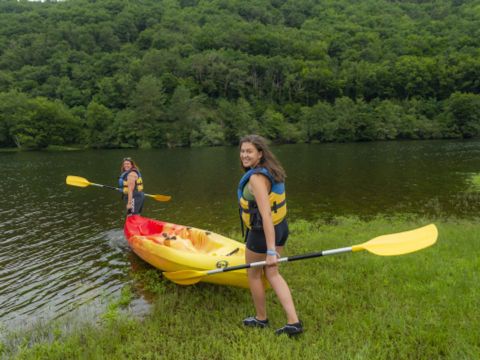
(152, 73)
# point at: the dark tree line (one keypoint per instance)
(152, 73)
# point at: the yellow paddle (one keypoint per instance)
(385, 245)
(82, 182)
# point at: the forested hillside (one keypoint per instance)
(152, 73)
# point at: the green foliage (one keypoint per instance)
(98, 118)
(35, 123)
(148, 111)
(208, 134)
(181, 73)
(463, 114)
(113, 309)
(238, 119)
(14, 107)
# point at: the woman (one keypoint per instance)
(261, 195)
(131, 183)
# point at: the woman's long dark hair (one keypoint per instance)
(268, 160)
(130, 160)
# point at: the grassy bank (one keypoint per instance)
(354, 306)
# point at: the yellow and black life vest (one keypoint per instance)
(248, 209)
(122, 181)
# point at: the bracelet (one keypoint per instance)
(272, 252)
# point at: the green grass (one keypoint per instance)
(354, 306)
(474, 182)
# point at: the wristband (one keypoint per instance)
(272, 252)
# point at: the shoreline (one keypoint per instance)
(379, 307)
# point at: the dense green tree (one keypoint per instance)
(148, 112)
(186, 114)
(318, 122)
(123, 132)
(14, 107)
(98, 119)
(238, 119)
(463, 114)
(115, 91)
(6, 81)
(46, 123)
(274, 126)
(187, 73)
(386, 120)
(346, 119)
(209, 132)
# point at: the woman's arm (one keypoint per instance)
(131, 180)
(260, 187)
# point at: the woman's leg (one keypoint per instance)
(282, 290)
(256, 284)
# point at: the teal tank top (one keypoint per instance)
(247, 195)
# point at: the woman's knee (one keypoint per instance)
(271, 272)
(255, 273)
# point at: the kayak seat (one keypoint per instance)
(233, 252)
(174, 242)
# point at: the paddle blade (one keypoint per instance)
(185, 277)
(401, 243)
(77, 181)
(160, 197)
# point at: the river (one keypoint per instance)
(62, 248)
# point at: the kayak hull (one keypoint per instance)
(172, 247)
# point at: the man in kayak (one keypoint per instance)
(263, 209)
(131, 183)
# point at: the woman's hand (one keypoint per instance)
(271, 260)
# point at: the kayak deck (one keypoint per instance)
(171, 247)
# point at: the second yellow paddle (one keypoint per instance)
(82, 182)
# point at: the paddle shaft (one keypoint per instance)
(106, 186)
(284, 259)
(114, 188)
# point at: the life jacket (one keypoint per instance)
(249, 212)
(123, 183)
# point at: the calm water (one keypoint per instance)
(62, 248)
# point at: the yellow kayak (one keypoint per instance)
(171, 247)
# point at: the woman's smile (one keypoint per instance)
(249, 155)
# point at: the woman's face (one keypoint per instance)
(127, 165)
(249, 155)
